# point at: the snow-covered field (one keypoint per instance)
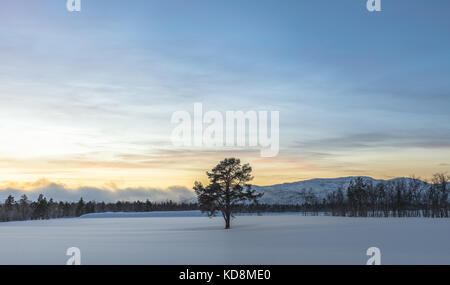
(272, 239)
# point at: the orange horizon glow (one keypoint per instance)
(183, 171)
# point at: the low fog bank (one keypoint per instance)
(60, 192)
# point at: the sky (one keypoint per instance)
(87, 97)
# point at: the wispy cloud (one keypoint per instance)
(421, 138)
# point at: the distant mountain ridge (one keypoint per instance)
(289, 193)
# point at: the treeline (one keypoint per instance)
(43, 208)
(24, 209)
(266, 208)
(396, 198)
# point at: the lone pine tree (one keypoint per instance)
(227, 189)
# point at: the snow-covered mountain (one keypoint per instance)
(289, 193)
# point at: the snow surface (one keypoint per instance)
(168, 214)
(194, 213)
(273, 239)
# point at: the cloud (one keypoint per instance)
(191, 159)
(419, 139)
(59, 192)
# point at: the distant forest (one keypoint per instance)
(396, 198)
(12, 210)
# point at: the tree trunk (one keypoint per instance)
(227, 220)
(228, 207)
